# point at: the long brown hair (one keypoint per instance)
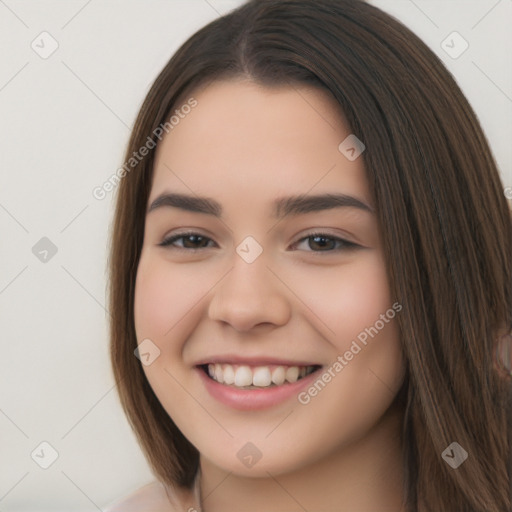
(445, 224)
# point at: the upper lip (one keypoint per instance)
(253, 361)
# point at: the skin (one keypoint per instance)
(245, 145)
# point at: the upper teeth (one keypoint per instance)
(260, 376)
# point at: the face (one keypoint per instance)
(256, 289)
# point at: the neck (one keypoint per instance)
(366, 475)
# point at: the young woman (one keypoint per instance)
(311, 274)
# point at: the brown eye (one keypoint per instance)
(327, 243)
(318, 242)
(191, 241)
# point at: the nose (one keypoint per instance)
(250, 294)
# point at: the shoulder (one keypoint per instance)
(151, 498)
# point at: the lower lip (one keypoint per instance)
(253, 399)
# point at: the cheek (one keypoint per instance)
(354, 303)
(347, 299)
(368, 339)
(153, 295)
(162, 305)
(368, 335)
(364, 297)
(368, 367)
(164, 297)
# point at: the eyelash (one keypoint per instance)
(346, 245)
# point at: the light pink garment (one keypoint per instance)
(157, 497)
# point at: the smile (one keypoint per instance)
(251, 377)
(255, 386)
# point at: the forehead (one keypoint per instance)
(265, 141)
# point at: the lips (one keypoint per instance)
(260, 394)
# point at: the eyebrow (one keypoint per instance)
(283, 206)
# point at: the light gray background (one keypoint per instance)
(65, 121)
